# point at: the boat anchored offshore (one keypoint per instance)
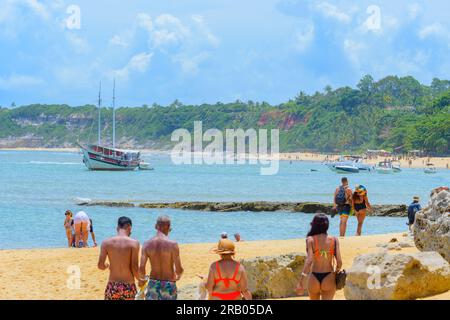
(387, 167)
(98, 157)
(430, 168)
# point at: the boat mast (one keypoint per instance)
(114, 115)
(99, 106)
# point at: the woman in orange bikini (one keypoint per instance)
(227, 279)
(322, 251)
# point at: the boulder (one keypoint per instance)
(274, 276)
(404, 276)
(432, 225)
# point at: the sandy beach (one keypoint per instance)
(42, 273)
(439, 162)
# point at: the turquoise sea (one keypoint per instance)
(37, 187)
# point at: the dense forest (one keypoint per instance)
(395, 113)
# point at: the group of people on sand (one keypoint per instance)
(78, 228)
(347, 202)
(227, 279)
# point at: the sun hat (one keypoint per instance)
(417, 198)
(225, 246)
(361, 190)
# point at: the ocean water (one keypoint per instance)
(37, 187)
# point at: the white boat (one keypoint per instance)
(352, 164)
(396, 167)
(145, 166)
(99, 157)
(386, 167)
(430, 168)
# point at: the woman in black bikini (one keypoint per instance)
(360, 206)
(322, 251)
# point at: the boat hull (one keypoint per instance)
(347, 169)
(96, 162)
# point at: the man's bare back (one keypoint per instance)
(122, 253)
(164, 256)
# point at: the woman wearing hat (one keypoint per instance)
(227, 279)
(360, 205)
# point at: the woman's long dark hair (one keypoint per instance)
(319, 225)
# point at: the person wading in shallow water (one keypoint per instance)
(360, 206)
(322, 251)
(343, 204)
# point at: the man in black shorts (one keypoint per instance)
(343, 204)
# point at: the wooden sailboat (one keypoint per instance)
(100, 157)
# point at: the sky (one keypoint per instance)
(205, 51)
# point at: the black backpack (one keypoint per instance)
(341, 197)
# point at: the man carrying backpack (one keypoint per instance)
(343, 204)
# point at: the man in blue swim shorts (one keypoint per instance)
(343, 204)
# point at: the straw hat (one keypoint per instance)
(416, 198)
(225, 246)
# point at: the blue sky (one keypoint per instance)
(204, 51)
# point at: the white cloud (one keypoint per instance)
(204, 30)
(331, 11)
(138, 63)
(145, 21)
(190, 64)
(435, 29)
(168, 30)
(303, 38)
(19, 81)
(38, 8)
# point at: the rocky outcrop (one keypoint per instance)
(274, 277)
(257, 206)
(385, 276)
(432, 225)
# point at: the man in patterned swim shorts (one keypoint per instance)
(165, 263)
(122, 253)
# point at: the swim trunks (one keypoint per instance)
(120, 291)
(344, 210)
(161, 290)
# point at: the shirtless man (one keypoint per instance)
(343, 204)
(165, 263)
(122, 253)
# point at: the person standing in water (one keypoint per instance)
(343, 204)
(81, 224)
(68, 222)
(122, 253)
(165, 263)
(360, 206)
(227, 279)
(322, 251)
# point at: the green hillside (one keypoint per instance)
(391, 113)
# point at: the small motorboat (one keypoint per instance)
(430, 168)
(384, 167)
(145, 166)
(396, 167)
